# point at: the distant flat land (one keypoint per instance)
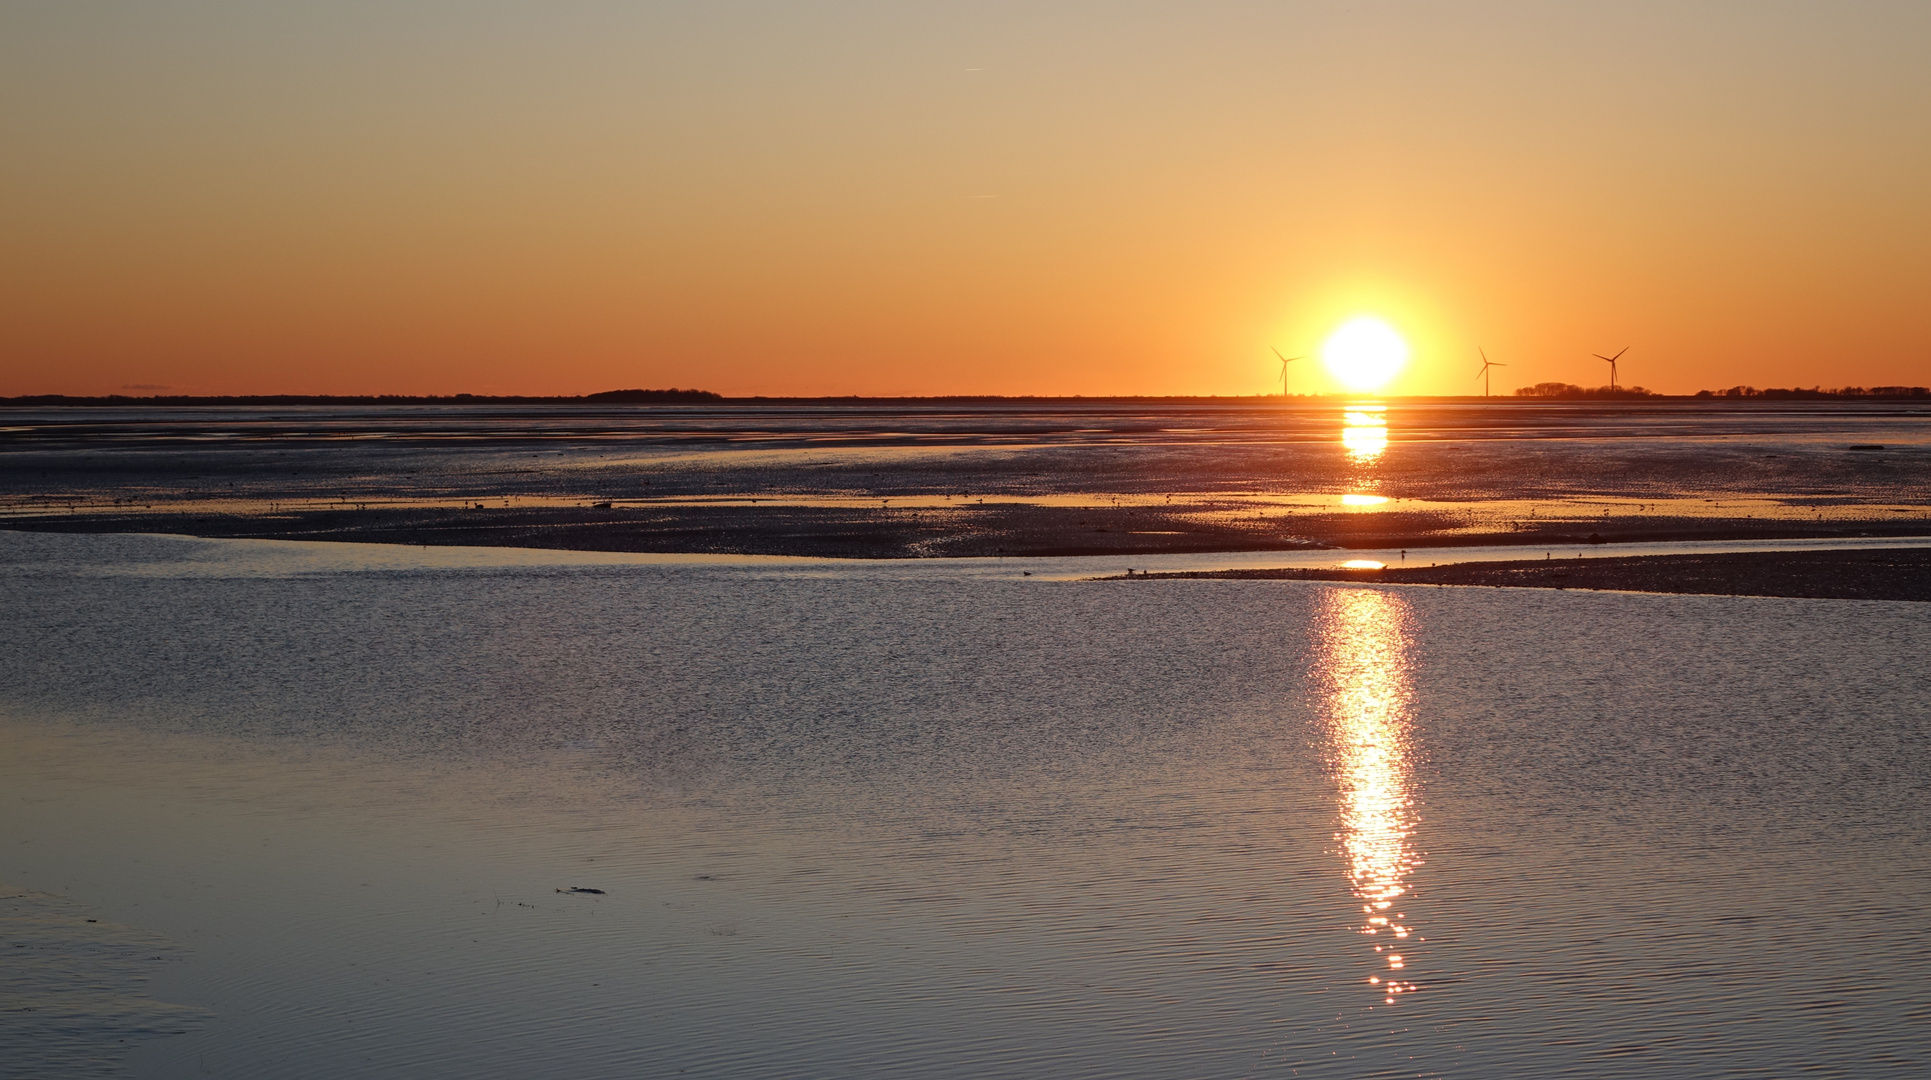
(1887, 574)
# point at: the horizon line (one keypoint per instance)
(676, 396)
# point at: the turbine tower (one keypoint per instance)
(1612, 364)
(1483, 374)
(1285, 360)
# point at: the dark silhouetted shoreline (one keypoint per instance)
(1882, 574)
(1540, 394)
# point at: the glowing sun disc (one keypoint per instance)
(1364, 353)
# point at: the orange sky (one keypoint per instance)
(354, 196)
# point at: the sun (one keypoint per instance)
(1364, 353)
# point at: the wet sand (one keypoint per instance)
(1888, 574)
(1039, 478)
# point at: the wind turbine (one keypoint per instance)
(1285, 360)
(1486, 364)
(1612, 365)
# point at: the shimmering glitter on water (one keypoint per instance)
(1363, 668)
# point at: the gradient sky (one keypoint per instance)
(353, 196)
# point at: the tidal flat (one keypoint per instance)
(1011, 478)
(1861, 573)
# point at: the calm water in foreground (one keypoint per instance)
(911, 820)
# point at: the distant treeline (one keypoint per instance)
(1571, 390)
(672, 396)
(1782, 394)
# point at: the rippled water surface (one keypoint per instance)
(918, 821)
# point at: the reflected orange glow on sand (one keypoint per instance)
(1364, 432)
(1364, 644)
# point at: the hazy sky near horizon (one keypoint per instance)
(261, 196)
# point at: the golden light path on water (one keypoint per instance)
(1363, 656)
(1364, 432)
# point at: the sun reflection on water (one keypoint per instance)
(1364, 646)
(1364, 431)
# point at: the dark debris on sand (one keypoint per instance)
(1885, 574)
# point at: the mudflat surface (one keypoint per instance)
(908, 480)
(1888, 574)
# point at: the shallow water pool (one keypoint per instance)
(862, 824)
